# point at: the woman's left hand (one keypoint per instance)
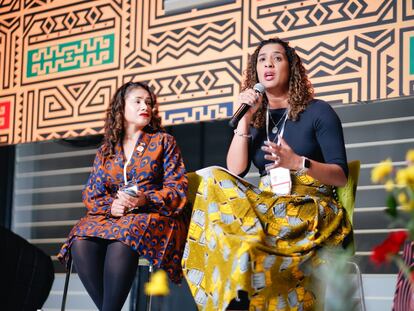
(131, 202)
(281, 155)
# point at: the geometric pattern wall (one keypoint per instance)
(61, 61)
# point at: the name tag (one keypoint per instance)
(280, 181)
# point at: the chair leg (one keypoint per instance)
(149, 299)
(65, 289)
(360, 286)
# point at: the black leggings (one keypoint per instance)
(107, 269)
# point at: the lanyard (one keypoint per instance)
(282, 129)
(130, 157)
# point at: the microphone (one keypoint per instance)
(259, 88)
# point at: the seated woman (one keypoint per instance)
(135, 199)
(265, 240)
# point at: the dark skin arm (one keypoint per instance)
(283, 156)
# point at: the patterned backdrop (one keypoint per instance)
(61, 61)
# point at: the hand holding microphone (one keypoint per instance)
(244, 107)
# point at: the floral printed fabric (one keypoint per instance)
(156, 231)
(244, 238)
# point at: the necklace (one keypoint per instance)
(275, 128)
(131, 137)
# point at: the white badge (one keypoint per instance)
(280, 180)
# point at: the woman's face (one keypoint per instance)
(273, 68)
(138, 110)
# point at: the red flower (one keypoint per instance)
(390, 246)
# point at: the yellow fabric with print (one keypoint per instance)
(246, 238)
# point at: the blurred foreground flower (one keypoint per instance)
(410, 156)
(158, 284)
(400, 206)
(391, 246)
(382, 170)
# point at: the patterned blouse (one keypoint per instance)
(156, 231)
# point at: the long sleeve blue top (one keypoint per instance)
(317, 135)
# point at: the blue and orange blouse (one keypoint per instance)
(156, 231)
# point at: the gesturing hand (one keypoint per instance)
(281, 155)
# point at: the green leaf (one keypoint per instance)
(391, 206)
(410, 227)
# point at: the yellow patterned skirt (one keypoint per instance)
(246, 238)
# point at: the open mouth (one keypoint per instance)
(269, 76)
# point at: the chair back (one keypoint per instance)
(346, 195)
(194, 181)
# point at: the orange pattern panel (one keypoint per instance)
(62, 61)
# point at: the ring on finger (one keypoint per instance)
(277, 159)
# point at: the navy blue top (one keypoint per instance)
(317, 135)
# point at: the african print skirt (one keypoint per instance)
(245, 238)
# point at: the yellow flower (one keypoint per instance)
(404, 203)
(405, 176)
(158, 284)
(406, 208)
(411, 205)
(410, 173)
(382, 170)
(402, 198)
(389, 185)
(409, 157)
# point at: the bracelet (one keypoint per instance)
(242, 135)
(131, 209)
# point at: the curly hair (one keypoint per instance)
(300, 88)
(115, 121)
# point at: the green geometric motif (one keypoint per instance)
(71, 56)
(411, 55)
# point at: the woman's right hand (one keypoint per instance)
(251, 98)
(124, 203)
(118, 208)
(237, 155)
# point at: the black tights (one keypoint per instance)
(107, 269)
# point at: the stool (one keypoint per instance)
(141, 262)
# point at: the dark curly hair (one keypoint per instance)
(300, 88)
(114, 123)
